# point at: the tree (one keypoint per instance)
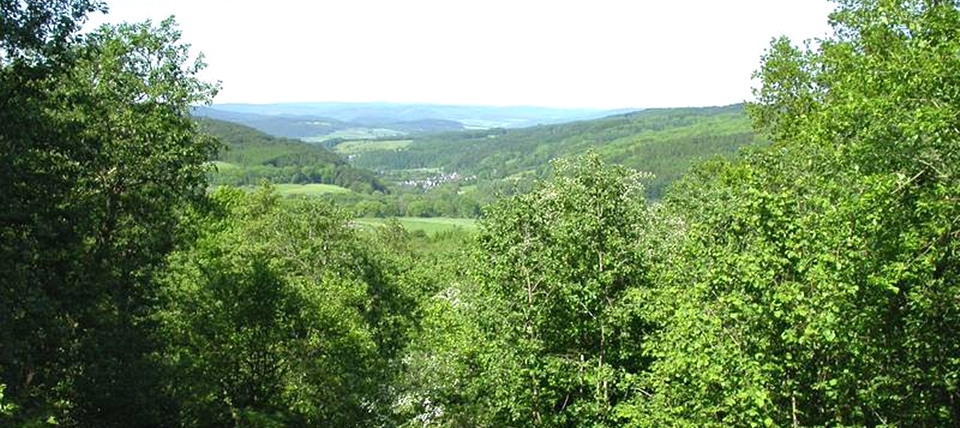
(559, 266)
(445, 362)
(814, 283)
(280, 312)
(99, 157)
(34, 35)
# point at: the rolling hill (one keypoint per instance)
(664, 142)
(249, 156)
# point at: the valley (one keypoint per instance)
(437, 173)
(171, 262)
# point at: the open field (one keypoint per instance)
(223, 166)
(355, 134)
(364, 146)
(313, 189)
(430, 226)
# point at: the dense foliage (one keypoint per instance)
(98, 157)
(815, 283)
(560, 265)
(279, 311)
(811, 282)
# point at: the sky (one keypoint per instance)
(587, 53)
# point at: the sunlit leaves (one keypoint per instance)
(807, 274)
(557, 264)
(280, 311)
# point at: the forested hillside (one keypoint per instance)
(664, 142)
(248, 156)
(811, 281)
(450, 174)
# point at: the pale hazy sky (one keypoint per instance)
(586, 53)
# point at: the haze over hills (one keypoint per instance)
(324, 121)
(469, 115)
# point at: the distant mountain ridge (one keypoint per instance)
(399, 112)
(278, 126)
(313, 121)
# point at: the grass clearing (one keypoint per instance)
(312, 189)
(365, 146)
(223, 166)
(429, 225)
(355, 134)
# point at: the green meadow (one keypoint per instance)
(312, 189)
